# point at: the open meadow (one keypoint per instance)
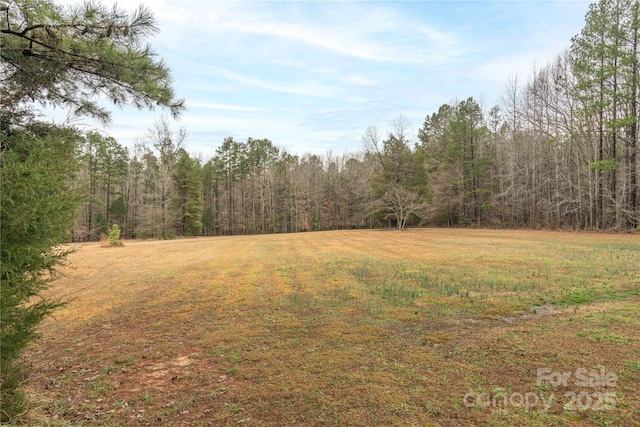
(432, 327)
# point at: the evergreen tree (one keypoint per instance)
(38, 206)
(104, 169)
(605, 61)
(187, 174)
(455, 142)
(228, 167)
(69, 58)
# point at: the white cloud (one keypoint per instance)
(306, 88)
(224, 107)
(498, 70)
(372, 32)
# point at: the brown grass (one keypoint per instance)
(354, 328)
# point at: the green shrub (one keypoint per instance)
(114, 236)
(37, 208)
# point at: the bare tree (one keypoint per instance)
(160, 162)
(399, 204)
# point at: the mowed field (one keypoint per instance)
(433, 327)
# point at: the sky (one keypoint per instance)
(311, 76)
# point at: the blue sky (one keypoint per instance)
(312, 75)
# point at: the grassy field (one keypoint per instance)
(350, 328)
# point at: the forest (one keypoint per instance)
(558, 152)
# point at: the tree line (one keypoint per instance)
(558, 151)
(158, 190)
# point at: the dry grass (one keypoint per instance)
(354, 328)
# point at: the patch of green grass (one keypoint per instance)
(100, 387)
(111, 369)
(220, 390)
(234, 408)
(599, 335)
(634, 365)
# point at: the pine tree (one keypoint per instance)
(38, 205)
(68, 58)
(454, 140)
(187, 175)
(605, 62)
